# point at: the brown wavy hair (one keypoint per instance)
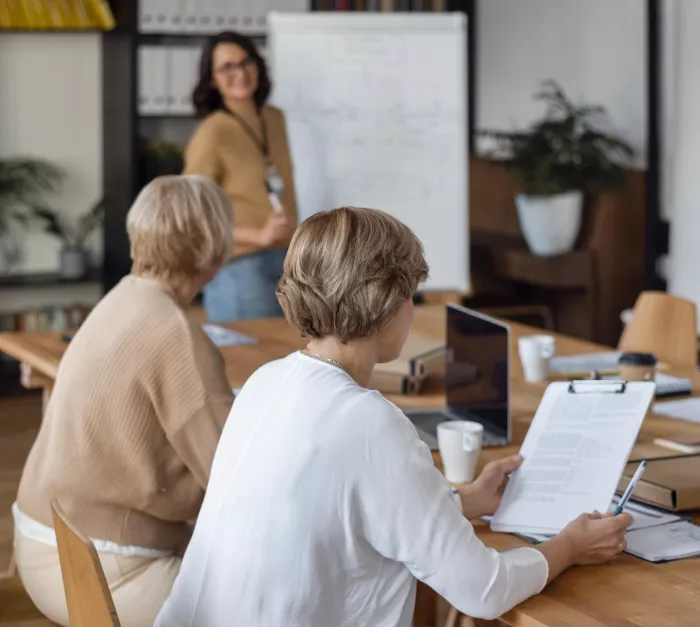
(206, 97)
(348, 272)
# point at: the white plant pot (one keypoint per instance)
(72, 263)
(550, 224)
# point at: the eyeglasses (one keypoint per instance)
(230, 67)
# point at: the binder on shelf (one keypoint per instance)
(206, 11)
(182, 79)
(291, 6)
(153, 80)
(254, 19)
(191, 11)
(232, 13)
(212, 15)
(160, 16)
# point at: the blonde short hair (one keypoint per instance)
(348, 272)
(179, 226)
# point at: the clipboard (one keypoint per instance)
(574, 454)
(592, 386)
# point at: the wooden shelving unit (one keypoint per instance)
(47, 279)
(125, 127)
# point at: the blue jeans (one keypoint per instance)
(245, 288)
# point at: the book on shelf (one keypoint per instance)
(56, 14)
(56, 318)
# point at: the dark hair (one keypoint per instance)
(206, 97)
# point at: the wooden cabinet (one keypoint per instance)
(585, 289)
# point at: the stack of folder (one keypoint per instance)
(419, 360)
(672, 483)
(56, 14)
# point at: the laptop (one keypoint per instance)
(476, 378)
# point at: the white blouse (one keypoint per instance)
(323, 508)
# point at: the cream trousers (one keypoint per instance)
(139, 585)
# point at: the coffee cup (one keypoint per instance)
(637, 367)
(536, 352)
(460, 442)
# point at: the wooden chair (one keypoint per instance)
(88, 598)
(664, 325)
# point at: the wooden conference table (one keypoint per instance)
(626, 593)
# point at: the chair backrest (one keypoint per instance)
(664, 325)
(88, 598)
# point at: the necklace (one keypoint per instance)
(326, 359)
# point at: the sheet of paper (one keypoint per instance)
(644, 516)
(585, 363)
(226, 337)
(574, 454)
(676, 540)
(684, 409)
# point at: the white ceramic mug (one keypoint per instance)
(460, 445)
(536, 351)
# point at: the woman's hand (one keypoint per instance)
(596, 538)
(482, 497)
(276, 229)
(589, 539)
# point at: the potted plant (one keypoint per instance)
(161, 158)
(73, 256)
(558, 160)
(23, 182)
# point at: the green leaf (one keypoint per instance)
(564, 150)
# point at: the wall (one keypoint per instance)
(596, 49)
(684, 167)
(51, 108)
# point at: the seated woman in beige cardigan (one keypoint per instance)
(141, 396)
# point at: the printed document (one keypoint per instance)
(573, 455)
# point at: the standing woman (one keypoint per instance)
(242, 145)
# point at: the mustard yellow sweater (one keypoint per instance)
(133, 422)
(221, 150)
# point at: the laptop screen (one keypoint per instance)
(476, 376)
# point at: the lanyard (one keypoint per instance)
(273, 181)
(261, 145)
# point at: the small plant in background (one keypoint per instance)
(558, 160)
(564, 151)
(73, 236)
(23, 184)
(161, 158)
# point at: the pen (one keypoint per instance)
(630, 488)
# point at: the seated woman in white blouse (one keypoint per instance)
(324, 506)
